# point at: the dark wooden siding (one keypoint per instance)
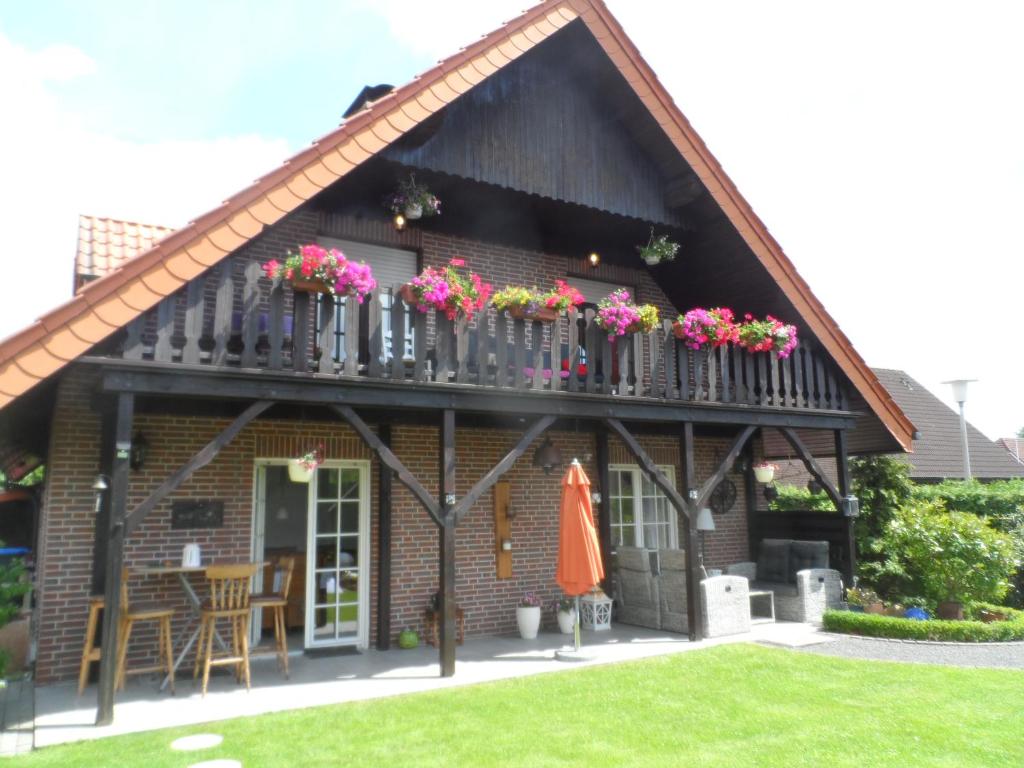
(546, 125)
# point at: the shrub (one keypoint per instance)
(873, 625)
(13, 586)
(793, 498)
(949, 555)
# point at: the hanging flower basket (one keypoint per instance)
(315, 269)
(765, 472)
(658, 249)
(301, 469)
(412, 200)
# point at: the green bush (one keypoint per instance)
(1002, 502)
(873, 625)
(948, 555)
(13, 586)
(882, 485)
(793, 498)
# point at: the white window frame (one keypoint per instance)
(638, 520)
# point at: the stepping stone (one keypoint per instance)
(217, 764)
(198, 741)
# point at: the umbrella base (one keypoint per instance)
(572, 655)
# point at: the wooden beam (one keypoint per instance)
(101, 536)
(604, 520)
(687, 458)
(647, 465)
(812, 466)
(384, 545)
(197, 462)
(843, 465)
(750, 496)
(407, 478)
(446, 466)
(115, 557)
(484, 483)
(723, 467)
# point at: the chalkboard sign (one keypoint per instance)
(197, 514)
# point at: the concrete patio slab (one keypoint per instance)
(61, 716)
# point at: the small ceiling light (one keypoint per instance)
(547, 457)
(399, 221)
(594, 258)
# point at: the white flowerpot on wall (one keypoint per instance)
(528, 618)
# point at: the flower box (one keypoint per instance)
(543, 314)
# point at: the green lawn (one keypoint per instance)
(736, 705)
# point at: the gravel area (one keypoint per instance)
(1006, 655)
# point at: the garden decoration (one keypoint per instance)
(413, 200)
(315, 269)
(618, 316)
(658, 249)
(531, 304)
(706, 328)
(301, 469)
(764, 472)
(448, 289)
(768, 335)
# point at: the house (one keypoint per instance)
(187, 379)
(1014, 446)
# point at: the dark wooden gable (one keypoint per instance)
(560, 122)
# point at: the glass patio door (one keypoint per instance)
(337, 567)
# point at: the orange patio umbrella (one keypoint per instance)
(579, 554)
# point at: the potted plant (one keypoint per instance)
(766, 335)
(658, 249)
(408, 638)
(531, 304)
(705, 328)
(315, 269)
(528, 615)
(449, 289)
(764, 471)
(565, 610)
(864, 600)
(617, 315)
(301, 469)
(413, 200)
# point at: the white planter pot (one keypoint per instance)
(528, 619)
(764, 474)
(566, 622)
(652, 261)
(413, 211)
(298, 473)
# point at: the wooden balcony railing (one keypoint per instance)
(277, 329)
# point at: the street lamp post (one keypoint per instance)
(960, 395)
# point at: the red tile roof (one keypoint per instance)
(105, 244)
(109, 303)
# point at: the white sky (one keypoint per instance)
(880, 142)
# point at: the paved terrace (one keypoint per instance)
(61, 716)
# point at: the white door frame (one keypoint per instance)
(362, 638)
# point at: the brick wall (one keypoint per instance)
(68, 517)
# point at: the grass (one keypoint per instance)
(735, 705)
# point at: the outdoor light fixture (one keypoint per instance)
(547, 457)
(705, 523)
(771, 492)
(98, 487)
(594, 258)
(399, 222)
(140, 447)
(960, 396)
(814, 486)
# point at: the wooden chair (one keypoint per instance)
(130, 616)
(276, 600)
(229, 599)
(90, 651)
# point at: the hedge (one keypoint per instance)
(873, 625)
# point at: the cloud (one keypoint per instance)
(55, 169)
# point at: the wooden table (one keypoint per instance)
(195, 604)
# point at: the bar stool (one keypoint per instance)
(90, 651)
(229, 599)
(277, 601)
(130, 616)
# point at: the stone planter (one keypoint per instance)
(528, 619)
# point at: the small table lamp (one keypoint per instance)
(705, 522)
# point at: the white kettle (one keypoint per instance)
(190, 556)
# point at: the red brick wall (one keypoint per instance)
(68, 517)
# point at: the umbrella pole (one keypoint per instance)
(576, 625)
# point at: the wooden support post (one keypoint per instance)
(750, 495)
(115, 556)
(384, 545)
(843, 465)
(813, 467)
(604, 519)
(446, 466)
(108, 415)
(687, 457)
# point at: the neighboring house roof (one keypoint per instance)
(938, 452)
(1015, 447)
(105, 244)
(111, 302)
